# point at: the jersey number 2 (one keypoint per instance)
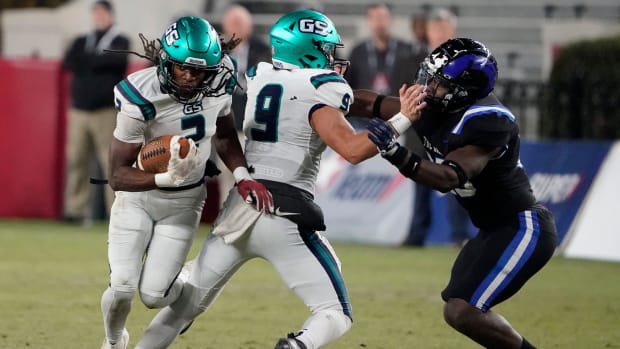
(196, 121)
(267, 113)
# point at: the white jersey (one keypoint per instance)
(281, 145)
(145, 112)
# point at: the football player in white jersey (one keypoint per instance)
(296, 108)
(154, 216)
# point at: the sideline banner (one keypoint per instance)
(369, 203)
(561, 174)
(372, 203)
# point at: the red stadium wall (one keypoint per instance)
(32, 105)
(34, 101)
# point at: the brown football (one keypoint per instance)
(155, 154)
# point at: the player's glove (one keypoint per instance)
(181, 171)
(383, 136)
(252, 191)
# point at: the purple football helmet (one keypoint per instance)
(465, 67)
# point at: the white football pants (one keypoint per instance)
(149, 237)
(305, 261)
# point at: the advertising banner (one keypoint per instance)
(369, 203)
(372, 203)
(561, 174)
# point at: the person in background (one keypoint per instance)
(237, 23)
(381, 63)
(441, 25)
(92, 116)
(420, 39)
(473, 145)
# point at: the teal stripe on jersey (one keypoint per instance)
(328, 261)
(251, 72)
(133, 95)
(321, 79)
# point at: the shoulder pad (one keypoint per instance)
(321, 79)
(333, 90)
(129, 94)
(476, 111)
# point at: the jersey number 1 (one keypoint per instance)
(267, 113)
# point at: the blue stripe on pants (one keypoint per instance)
(510, 263)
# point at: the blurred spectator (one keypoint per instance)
(380, 63)
(92, 116)
(237, 21)
(420, 39)
(440, 26)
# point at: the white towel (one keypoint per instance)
(235, 218)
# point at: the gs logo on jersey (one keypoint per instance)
(192, 108)
(309, 25)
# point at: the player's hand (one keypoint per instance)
(412, 101)
(383, 136)
(181, 171)
(255, 193)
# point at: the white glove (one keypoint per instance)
(181, 171)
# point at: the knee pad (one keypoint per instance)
(154, 302)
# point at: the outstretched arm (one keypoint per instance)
(369, 104)
(339, 135)
(459, 166)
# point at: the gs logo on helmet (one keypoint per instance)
(309, 25)
(172, 34)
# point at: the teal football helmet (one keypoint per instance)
(305, 39)
(193, 43)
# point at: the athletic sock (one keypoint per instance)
(527, 345)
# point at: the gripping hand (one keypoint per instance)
(383, 136)
(254, 192)
(181, 171)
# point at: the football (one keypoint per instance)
(155, 154)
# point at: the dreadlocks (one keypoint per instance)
(151, 48)
(228, 46)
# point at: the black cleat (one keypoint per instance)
(290, 343)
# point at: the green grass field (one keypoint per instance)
(52, 277)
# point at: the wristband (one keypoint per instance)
(407, 162)
(400, 123)
(163, 180)
(376, 106)
(241, 173)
